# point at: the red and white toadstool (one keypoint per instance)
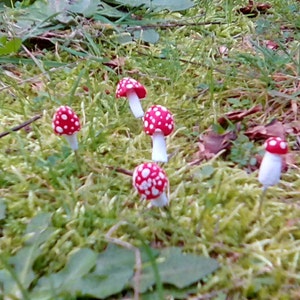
(151, 182)
(270, 168)
(134, 91)
(158, 123)
(65, 122)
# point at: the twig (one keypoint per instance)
(172, 25)
(22, 125)
(120, 170)
(138, 259)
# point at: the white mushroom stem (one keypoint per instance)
(160, 201)
(270, 170)
(135, 104)
(159, 147)
(72, 140)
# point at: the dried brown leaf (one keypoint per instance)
(252, 9)
(275, 128)
(214, 142)
(271, 45)
(116, 63)
(238, 115)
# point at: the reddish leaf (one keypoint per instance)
(238, 115)
(116, 63)
(214, 142)
(275, 128)
(271, 45)
(252, 9)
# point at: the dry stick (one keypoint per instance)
(20, 126)
(120, 170)
(138, 259)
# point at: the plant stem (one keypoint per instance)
(261, 200)
(77, 158)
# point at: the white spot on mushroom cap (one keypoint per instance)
(59, 129)
(145, 173)
(155, 192)
(129, 86)
(283, 145)
(64, 116)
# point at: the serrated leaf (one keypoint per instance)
(178, 269)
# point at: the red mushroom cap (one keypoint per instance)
(276, 145)
(158, 119)
(150, 180)
(127, 84)
(65, 121)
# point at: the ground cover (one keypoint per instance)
(229, 72)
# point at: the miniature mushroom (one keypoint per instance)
(270, 168)
(151, 181)
(134, 91)
(65, 122)
(158, 123)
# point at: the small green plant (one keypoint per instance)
(243, 152)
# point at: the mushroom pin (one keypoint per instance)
(134, 91)
(151, 181)
(270, 168)
(158, 123)
(65, 122)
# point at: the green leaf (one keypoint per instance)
(11, 46)
(79, 264)
(39, 223)
(65, 8)
(177, 5)
(114, 268)
(39, 229)
(172, 264)
(171, 293)
(147, 35)
(2, 209)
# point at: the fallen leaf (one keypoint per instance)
(214, 142)
(223, 50)
(253, 9)
(274, 128)
(271, 45)
(238, 115)
(116, 63)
